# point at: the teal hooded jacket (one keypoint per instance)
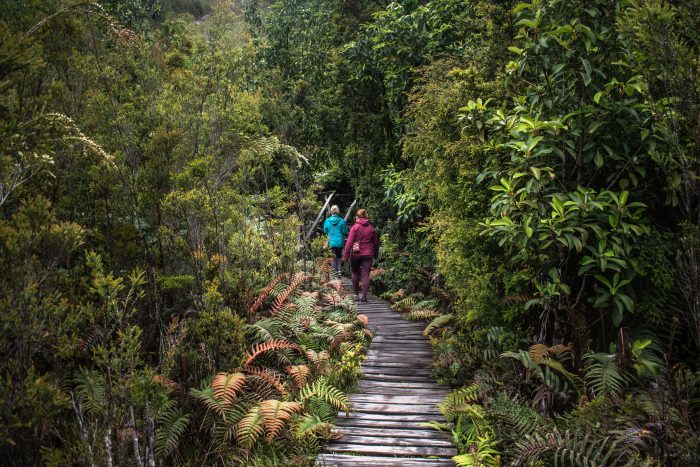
(336, 230)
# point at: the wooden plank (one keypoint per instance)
(428, 384)
(399, 409)
(389, 432)
(393, 450)
(343, 460)
(380, 424)
(407, 399)
(394, 441)
(394, 364)
(387, 417)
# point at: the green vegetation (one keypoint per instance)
(534, 169)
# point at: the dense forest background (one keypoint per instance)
(534, 169)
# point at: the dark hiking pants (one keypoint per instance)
(337, 262)
(360, 266)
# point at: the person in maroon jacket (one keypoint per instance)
(362, 248)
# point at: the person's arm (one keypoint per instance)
(325, 226)
(345, 230)
(348, 244)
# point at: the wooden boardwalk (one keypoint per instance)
(397, 395)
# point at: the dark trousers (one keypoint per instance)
(337, 261)
(360, 266)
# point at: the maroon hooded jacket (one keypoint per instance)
(364, 233)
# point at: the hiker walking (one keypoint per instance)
(336, 230)
(362, 248)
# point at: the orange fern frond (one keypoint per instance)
(518, 298)
(167, 383)
(286, 293)
(332, 298)
(268, 346)
(337, 340)
(226, 385)
(374, 273)
(276, 414)
(268, 375)
(258, 303)
(334, 284)
(539, 352)
(300, 373)
(363, 319)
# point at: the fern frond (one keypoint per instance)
(261, 348)
(577, 449)
(422, 313)
(268, 375)
(258, 303)
(311, 425)
(300, 373)
(275, 415)
(602, 375)
(250, 428)
(332, 298)
(404, 305)
(90, 389)
(172, 423)
(282, 298)
(226, 385)
(325, 391)
(362, 319)
(437, 322)
(336, 284)
(205, 396)
(167, 383)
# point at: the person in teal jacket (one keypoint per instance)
(336, 230)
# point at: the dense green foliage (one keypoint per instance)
(533, 168)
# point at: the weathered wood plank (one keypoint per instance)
(377, 398)
(342, 460)
(391, 432)
(393, 450)
(394, 441)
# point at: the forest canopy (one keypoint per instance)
(533, 170)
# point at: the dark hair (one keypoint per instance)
(362, 214)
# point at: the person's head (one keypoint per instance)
(362, 214)
(335, 209)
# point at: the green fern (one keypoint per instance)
(323, 390)
(90, 389)
(437, 323)
(580, 449)
(311, 425)
(172, 423)
(483, 453)
(602, 375)
(250, 428)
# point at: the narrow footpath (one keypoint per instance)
(397, 395)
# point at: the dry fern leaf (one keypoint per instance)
(332, 298)
(268, 346)
(337, 340)
(226, 385)
(258, 303)
(167, 383)
(286, 293)
(336, 284)
(276, 414)
(268, 375)
(300, 373)
(420, 314)
(374, 273)
(363, 319)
